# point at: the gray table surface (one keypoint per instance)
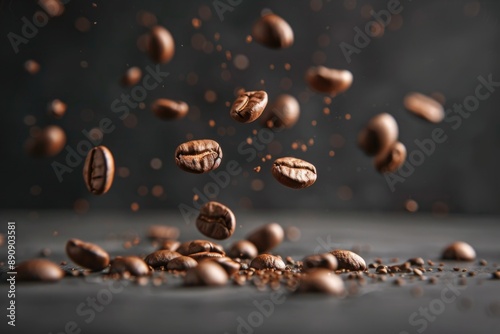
(379, 307)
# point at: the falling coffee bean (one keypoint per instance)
(169, 109)
(132, 76)
(379, 135)
(39, 270)
(163, 232)
(56, 108)
(182, 263)
(325, 260)
(99, 170)
(133, 265)
(197, 246)
(273, 31)
(216, 221)
(161, 46)
(459, 251)
(321, 280)
(87, 255)
(424, 107)
(160, 258)
(294, 173)
(266, 237)
(249, 106)
(198, 156)
(46, 143)
(267, 261)
(284, 112)
(243, 249)
(348, 260)
(328, 80)
(391, 160)
(206, 273)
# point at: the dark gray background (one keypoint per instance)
(438, 48)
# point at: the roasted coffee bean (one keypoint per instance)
(169, 109)
(56, 108)
(197, 246)
(163, 232)
(273, 31)
(267, 261)
(328, 80)
(416, 261)
(99, 170)
(133, 265)
(52, 7)
(424, 107)
(171, 245)
(161, 46)
(249, 106)
(87, 255)
(348, 260)
(379, 135)
(39, 270)
(132, 76)
(392, 159)
(459, 251)
(325, 260)
(495, 275)
(216, 221)
(321, 280)
(205, 255)
(32, 66)
(207, 273)
(284, 112)
(243, 249)
(294, 173)
(198, 156)
(231, 267)
(46, 143)
(160, 258)
(182, 263)
(266, 237)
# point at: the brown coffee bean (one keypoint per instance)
(46, 143)
(267, 261)
(198, 246)
(56, 108)
(99, 170)
(205, 256)
(39, 270)
(249, 106)
(206, 273)
(132, 76)
(231, 267)
(169, 109)
(416, 261)
(160, 258)
(163, 232)
(392, 159)
(325, 260)
(216, 221)
(243, 249)
(294, 173)
(32, 66)
(87, 255)
(133, 265)
(379, 135)
(161, 46)
(52, 7)
(424, 107)
(459, 251)
(348, 260)
(182, 263)
(495, 275)
(273, 32)
(266, 237)
(171, 245)
(284, 112)
(321, 280)
(328, 80)
(198, 156)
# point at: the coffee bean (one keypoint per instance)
(243, 249)
(32, 66)
(171, 245)
(182, 263)
(495, 275)
(273, 32)
(198, 156)
(56, 108)
(379, 135)
(205, 255)
(328, 80)
(160, 258)
(284, 112)
(39, 270)
(459, 251)
(169, 109)
(424, 107)
(99, 170)
(163, 232)
(132, 265)
(207, 273)
(46, 143)
(161, 46)
(416, 261)
(392, 159)
(348, 260)
(87, 255)
(197, 246)
(266, 237)
(325, 260)
(294, 173)
(249, 106)
(321, 280)
(216, 221)
(267, 261)
(132, 76)
(231, 267)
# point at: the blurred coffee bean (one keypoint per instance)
(267, 261)
(132, 76)
(459, 251)
(249, 106)
(321, 281)
(231, 267)
(169, 109)
(39, 270)
(87, 255)
(325, 260)
(424, 107)
(198, 156)
(46, 143)
(348, 260)
(328, 80)
(379, 135)
(160, 258)
(243, 249)
(294, 173)
(207, 273)
(205, 256)
(163, 232)
(392, 159)
(56, 108)
(267, 237)
(273, 32)
(171, 245)
(99, 170)
(133, 265)
(284, 112)
(197, 246)
(182, 263)
(216, 221)
(161, 45)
